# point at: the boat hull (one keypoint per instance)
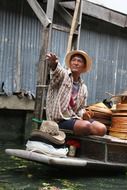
(96, 153)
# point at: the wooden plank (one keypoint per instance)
(39, 12)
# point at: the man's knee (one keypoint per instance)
(99, 128)
(82, 127)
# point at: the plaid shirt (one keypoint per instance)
(59, 94)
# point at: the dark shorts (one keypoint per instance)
(67, 124)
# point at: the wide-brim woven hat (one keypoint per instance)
(50, 130)
(88, 65)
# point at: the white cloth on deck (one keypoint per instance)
(46, 149)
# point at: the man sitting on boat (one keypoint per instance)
(67, 95)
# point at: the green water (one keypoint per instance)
(18, 174)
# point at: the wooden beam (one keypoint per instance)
(104, 14)
(64, 13)
(99, 12)
(39, 12)
(61, 28)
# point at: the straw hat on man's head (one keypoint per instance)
(50, 130)
(88, 62)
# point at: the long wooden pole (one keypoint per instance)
(73, 25)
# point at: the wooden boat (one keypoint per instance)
(95, 152)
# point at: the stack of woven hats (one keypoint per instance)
(101, 113)
(119, 118)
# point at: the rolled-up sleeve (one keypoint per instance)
(57, 75)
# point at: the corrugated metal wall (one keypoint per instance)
(20, 44)
(107, 45)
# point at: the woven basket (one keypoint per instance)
(121, 107)
(119, 122)
(121, 135)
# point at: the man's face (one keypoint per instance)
(77, 64)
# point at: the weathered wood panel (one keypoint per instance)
(15, 103)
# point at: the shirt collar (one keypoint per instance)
(70, 74)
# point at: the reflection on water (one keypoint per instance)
(18, 174)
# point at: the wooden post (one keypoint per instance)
(43, 66)
(41, 82)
